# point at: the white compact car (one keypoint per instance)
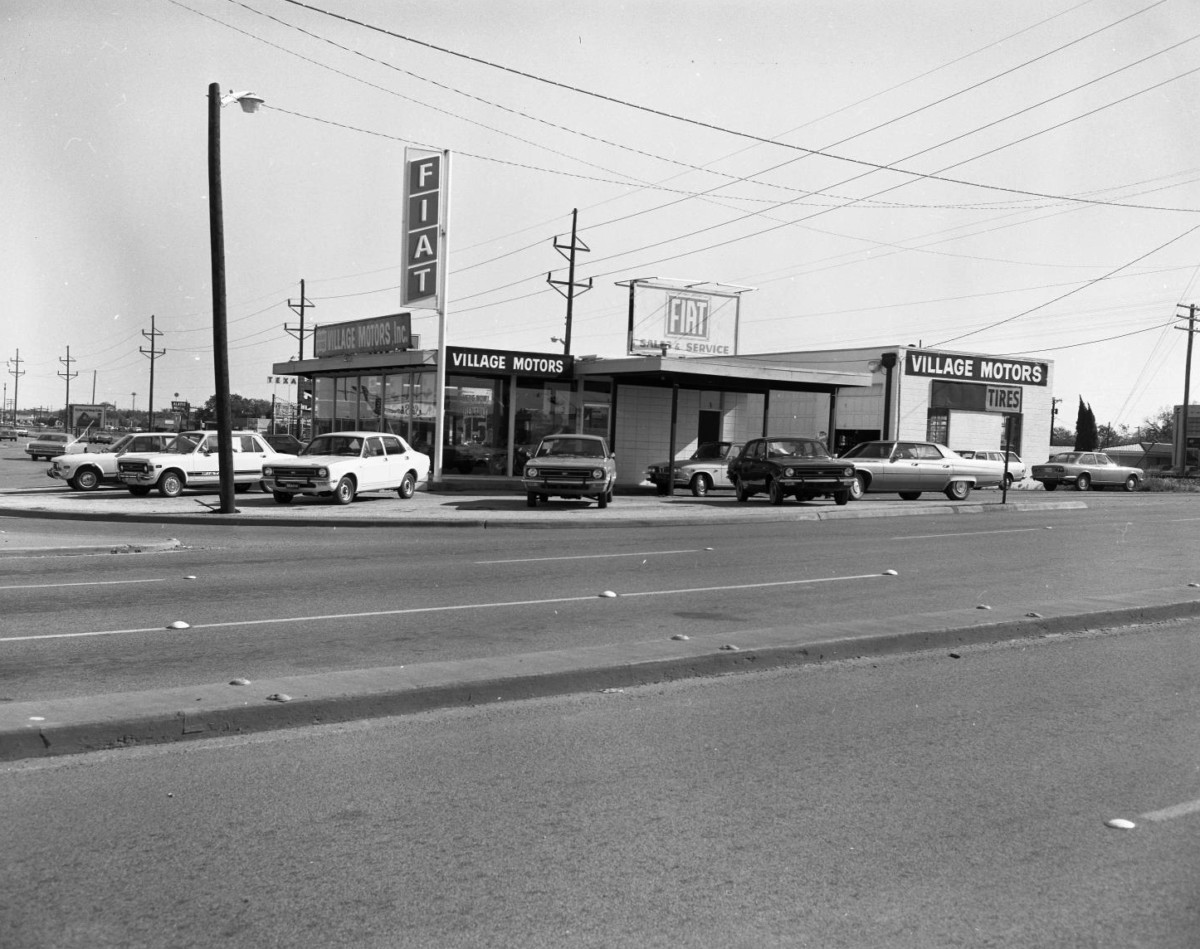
(341, 465)
(88, 471)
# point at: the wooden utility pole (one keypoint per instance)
(152, 353)
(1181, 437)
(569, 251)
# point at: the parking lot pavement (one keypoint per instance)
(453, 508)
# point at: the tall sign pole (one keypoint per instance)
(426, 220)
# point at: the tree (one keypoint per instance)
(1062, 436)
(239, 407)
(1086, 436)
(1159, 427)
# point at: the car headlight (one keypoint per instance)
(848, 472)
(322, 472)
(597, 473)
(531, 472)
(268, 471)
(789, 472)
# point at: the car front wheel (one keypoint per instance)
(700, 485)
(408, 487)
(841, 498)
(1131, 483)
(602, 500)
(531, 499)
(282, 497)
(85, 480)
(1050, 485)
(958, 490)
(344, 492)
(775, 492)
(1083, 482)
(739, 490)
(859, 487)
(170, 485)
(1008, 482)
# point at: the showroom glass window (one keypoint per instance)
(475, 434)
(323, 398)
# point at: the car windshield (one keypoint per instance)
(711, 450)
(53, 438)
(1066, 457)
(184, 444)
(346, 445)
(121, 442)
(796, 448)
(870, 450)
(581, 447)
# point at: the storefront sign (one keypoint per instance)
(379, 334)
(1003, 399)
(503, 362)
(424, 238)
(975, 368)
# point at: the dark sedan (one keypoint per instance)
(788, 466)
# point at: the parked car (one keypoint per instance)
(341, 465)
(705, 469)
(284, 443)
(1016, 467)
(54, 443)
(1086, 470)
(570, 466)
(192, 461)
(88, 471)
(790, 466)
(911, 468)
(100, 438)
(8, 434)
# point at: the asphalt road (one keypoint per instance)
(283, 601)
(912, 803)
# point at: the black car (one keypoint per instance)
(284, 443)
(790, 466)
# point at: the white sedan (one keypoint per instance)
(341, 465)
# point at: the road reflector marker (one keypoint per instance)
(1120, 823)
(179, 624)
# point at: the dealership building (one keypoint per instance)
(661, 399)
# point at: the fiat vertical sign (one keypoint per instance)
(424, 240)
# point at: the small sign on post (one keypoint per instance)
(1003, 399)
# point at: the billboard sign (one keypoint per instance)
(683, 318)
(425, 189)
(84, 417)
(975, 368)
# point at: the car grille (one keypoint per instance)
(134, 466)
(548, 473)
(292, 473)
(818, 471)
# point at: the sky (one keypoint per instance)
(1017, 178)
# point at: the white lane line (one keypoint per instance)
(633, 553)
(1168, 813)
(81, 583)
(434, 609)
(1007, 530)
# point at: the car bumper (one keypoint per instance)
(59, 475)
(300, 485)
(561, 487)
(139, 477)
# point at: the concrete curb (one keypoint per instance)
(91, 723)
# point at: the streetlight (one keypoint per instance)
(216, 225)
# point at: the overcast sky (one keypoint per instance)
(1010, 177)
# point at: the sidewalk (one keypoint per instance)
(478, 510)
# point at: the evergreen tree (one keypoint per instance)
(1086, 436)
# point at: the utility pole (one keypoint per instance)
(151, 352)
(569, 251)
(1054, 400)
(299, 306)
(1181, 439)
(68, 375)
(16, 373)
